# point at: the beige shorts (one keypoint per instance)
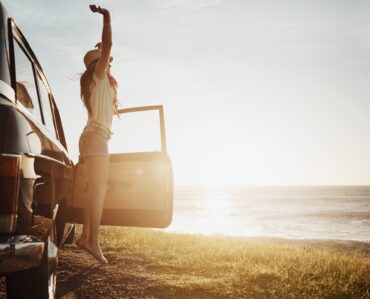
(94, 141)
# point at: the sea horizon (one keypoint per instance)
(299, 212)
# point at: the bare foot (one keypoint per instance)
(95, 251)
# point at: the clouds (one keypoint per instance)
(50, 13)
(176, 7)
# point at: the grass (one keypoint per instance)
(196, 266)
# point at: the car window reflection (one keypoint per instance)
(23, 96)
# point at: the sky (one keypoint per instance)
(268, 92)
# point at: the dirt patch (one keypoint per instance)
(80, 276)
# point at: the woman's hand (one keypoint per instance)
(106, 41)
(98, 9)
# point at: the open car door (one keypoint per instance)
(140, 184)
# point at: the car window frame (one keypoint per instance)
(15, 33)
(162, 126)
(40, 76)
(58, 122)
(32, 65)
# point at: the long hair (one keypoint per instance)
(87, 83)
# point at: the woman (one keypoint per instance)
(98, 92)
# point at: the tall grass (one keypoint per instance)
(195, 266)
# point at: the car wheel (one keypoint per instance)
(35, 282)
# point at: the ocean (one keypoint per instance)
(317, 212)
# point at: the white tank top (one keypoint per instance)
(101, 103)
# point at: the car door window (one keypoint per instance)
(136, 132)
(46, 106)
(25, 82)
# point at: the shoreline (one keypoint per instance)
(335, 243)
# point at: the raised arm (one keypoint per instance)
(102, 65)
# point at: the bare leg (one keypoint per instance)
(97, 167)
(85, 235)
(86, 223)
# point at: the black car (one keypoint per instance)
(41, 189)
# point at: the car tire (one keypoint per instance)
(33, 283)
